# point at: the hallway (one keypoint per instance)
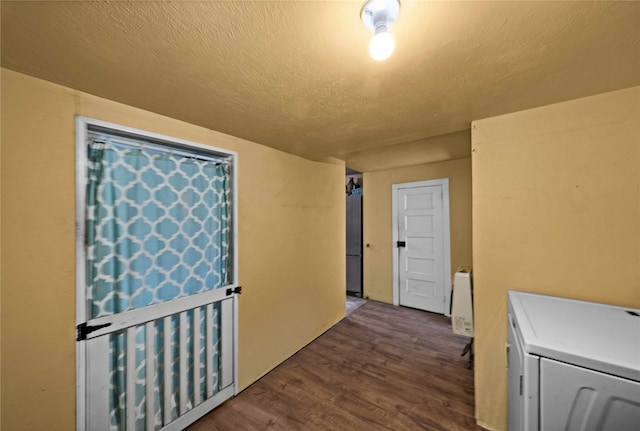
(380, 368)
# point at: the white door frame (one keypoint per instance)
(446, 249)
(82, 126)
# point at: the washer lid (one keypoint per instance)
(596, 336)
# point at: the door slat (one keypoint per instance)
(150, 349)
(197, 396)
(226, 345)
(131, 379)
(183, 362)
(168, 380)
(209, 349)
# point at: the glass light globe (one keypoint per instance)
(381, 46)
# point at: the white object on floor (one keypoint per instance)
(462, 306)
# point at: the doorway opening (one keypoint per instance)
(353, 192)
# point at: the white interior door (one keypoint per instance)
(421, 238)
(156, 279)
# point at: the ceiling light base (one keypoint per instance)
(379, 15)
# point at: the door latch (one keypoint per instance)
(84, 330)
(401, 243)
(237, 289)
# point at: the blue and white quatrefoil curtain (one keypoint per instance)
(158, 228)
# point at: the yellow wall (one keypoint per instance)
(556, 210)
(291, 246)
(377, 219)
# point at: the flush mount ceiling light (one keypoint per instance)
(378, 16)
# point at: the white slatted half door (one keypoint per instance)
(211, 362)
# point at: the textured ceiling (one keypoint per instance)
(297, 75)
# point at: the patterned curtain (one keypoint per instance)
(158, 228)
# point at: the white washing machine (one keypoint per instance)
(573, 365)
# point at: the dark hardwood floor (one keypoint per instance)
(380, 368)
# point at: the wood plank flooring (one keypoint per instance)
(380, 368)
